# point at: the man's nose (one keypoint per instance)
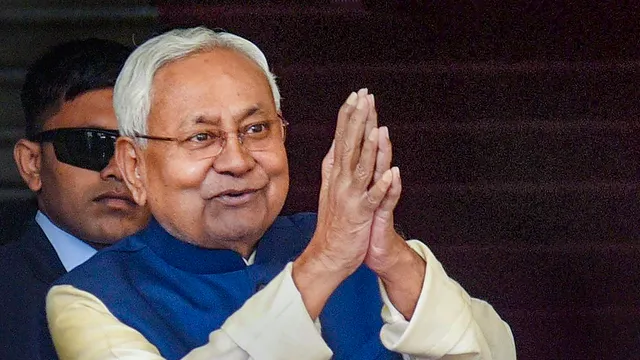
(233, 159)
(111, 171)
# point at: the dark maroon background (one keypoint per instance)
(515, 125)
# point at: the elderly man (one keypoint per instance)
(218, 274)
(66, 159)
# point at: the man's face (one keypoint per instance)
(220, 201)
(94, 206)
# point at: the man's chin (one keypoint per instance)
(105, 236)
(101, 245)
(241, 228)
(113, 226)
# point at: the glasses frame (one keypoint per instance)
(283, 123)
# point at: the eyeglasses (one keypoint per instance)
(256, 136)
(86, 148)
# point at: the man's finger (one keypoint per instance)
(327, 166)
(365, 167)
(353, 137)
(328, 162)
(388, 204)
(372, 120)
(377, 192)
(385, 153)
(344, 114)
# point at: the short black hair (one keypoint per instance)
(66, 71)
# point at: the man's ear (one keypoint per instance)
(131, 165)
(28, 158)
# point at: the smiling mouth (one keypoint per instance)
(236, 198)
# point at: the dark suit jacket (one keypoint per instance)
(27, 269)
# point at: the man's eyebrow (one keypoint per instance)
(202, 119)
(251, 111)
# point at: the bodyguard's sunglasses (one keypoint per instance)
(85, 148)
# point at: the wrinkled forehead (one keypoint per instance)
(216, 83)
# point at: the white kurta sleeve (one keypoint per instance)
(447, 322)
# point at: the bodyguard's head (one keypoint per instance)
(66, 157)
(65, 72)
(203, 137)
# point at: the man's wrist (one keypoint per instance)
(315, 280)
(404, 280)
(407, 263)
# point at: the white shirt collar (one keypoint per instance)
(251, 259)
(71, 250)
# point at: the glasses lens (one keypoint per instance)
(265, 136)
(90, 149)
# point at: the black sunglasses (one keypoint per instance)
(86, 148)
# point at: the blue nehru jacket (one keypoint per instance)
(176, 293)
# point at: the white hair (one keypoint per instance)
(133, 89)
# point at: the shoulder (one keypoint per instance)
(30, 254)
(106, 266)
(28, 267)
(12, 259)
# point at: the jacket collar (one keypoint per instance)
(39, 254)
